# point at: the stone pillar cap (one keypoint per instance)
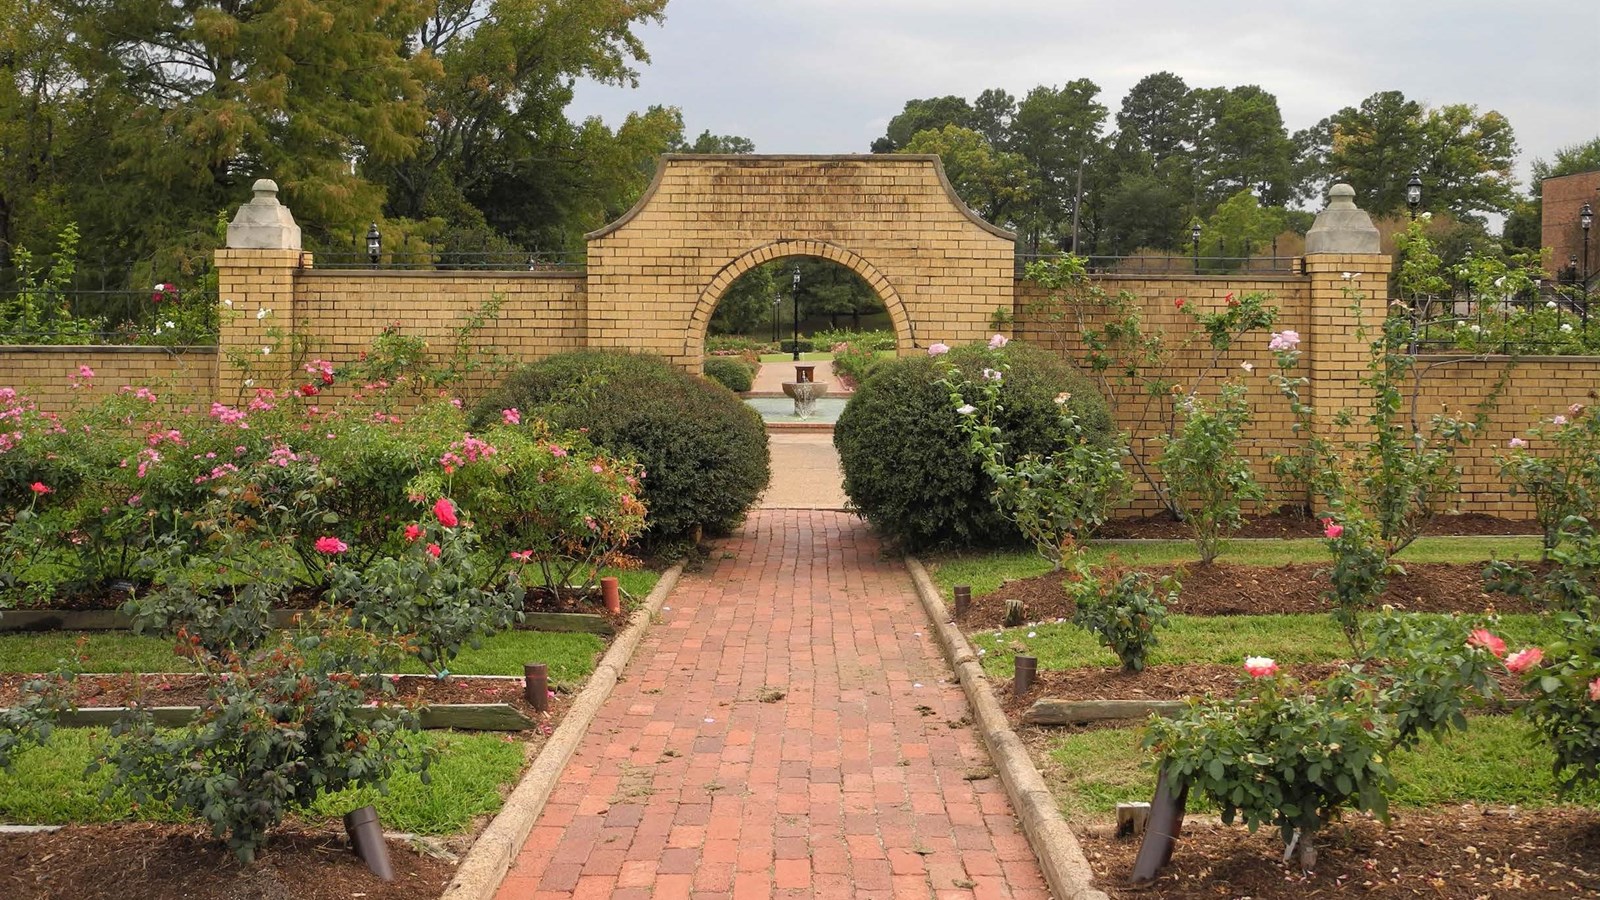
(263, 223)
(1342, 227)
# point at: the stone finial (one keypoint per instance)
(1342, 227)
(263, 223)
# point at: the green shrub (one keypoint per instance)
(872, 340)
(731, 372)
(806, 346)
(855, 362)
(704, 452)
(908, 467)
(725, 343)
(1123, 610)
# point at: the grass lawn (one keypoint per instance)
(1208, 639)
(571, 657)
(985, 571)
(1500, 760)
(47, 786)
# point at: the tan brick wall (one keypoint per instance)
(43, 372)
(656, 275)
(1192, 363)
(1533, 390)
(540, 313)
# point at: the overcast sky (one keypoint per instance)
(825, 76)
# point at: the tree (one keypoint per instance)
(216, 93)
(991, 116)
(1569, 160)
(496, 118)
(1463, 158)
(35, 85)
(716, 143)
(1158, 117)
(924, 115)
(1241, 226)
(1142, 210)
(992, 182)
(1054, 131)
(1241, 145)
(747, 306)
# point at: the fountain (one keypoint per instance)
(805, 390)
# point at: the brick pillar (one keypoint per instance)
(1349, 288)
(255, 278)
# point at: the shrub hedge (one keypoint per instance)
(731, 372)
(907, 466)
(704, 451)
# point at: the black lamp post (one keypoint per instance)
(796, 295)
(777, 303)
(1194, 238)
(374, 243)
(1585, 221)
(1414, 194)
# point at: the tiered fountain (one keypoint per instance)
(805, 390)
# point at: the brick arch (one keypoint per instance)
(700, 322)
(655, 274)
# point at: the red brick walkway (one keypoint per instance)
(787, 729)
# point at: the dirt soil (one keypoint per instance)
(140, 861)
(96, 690)
(1293, 525)
(1227, 589)
(1466, 852)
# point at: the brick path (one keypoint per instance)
(853, 784)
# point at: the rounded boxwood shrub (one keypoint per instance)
(703, 450)
(907, 466)
(731, 372)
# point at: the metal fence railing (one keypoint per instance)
(490, 261)
(1541, 321)
(1144, 264)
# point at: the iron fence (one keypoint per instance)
(487, 261)
(1507, 325)
(1144, 264)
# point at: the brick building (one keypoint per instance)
(1560, 235)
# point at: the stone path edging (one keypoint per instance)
(1065, 867)
(485, 865)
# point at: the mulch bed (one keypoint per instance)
(1468, 852)
(97, 690)
(1227, 589)
(173, 862)
(1291, 525)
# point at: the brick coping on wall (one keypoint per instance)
(488, 274)
(176, 350)
(1505, 358)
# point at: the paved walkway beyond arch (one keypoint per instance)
(788, 729)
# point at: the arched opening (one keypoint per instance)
(755, 299)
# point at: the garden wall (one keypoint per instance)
(43, 373)
(1535, 388)
(1144, 417)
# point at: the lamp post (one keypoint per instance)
(777, 303)
(1414, 194)
(1194, 238)
(374, 243)
(795, 293)
(1585, 221)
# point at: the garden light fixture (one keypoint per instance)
(1414, 194)
(1585, 221)
(1194, 238)
(374, 243)
(796, 296)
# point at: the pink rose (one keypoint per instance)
(938, 349)
(413, 531)
(445, 512)
(1482, 637)
(1594, 690)
(434, 551)
(1260, 666)
(1331, 529)
(331, 545)
(39, 487)
(511, 416)
(1516, 443)
(998, 341)
(1523, 660)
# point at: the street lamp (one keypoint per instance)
(1586, 221)
(1194, 238)
(777, 304)
(796, 295)
(1414, 194)
(374, 243)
